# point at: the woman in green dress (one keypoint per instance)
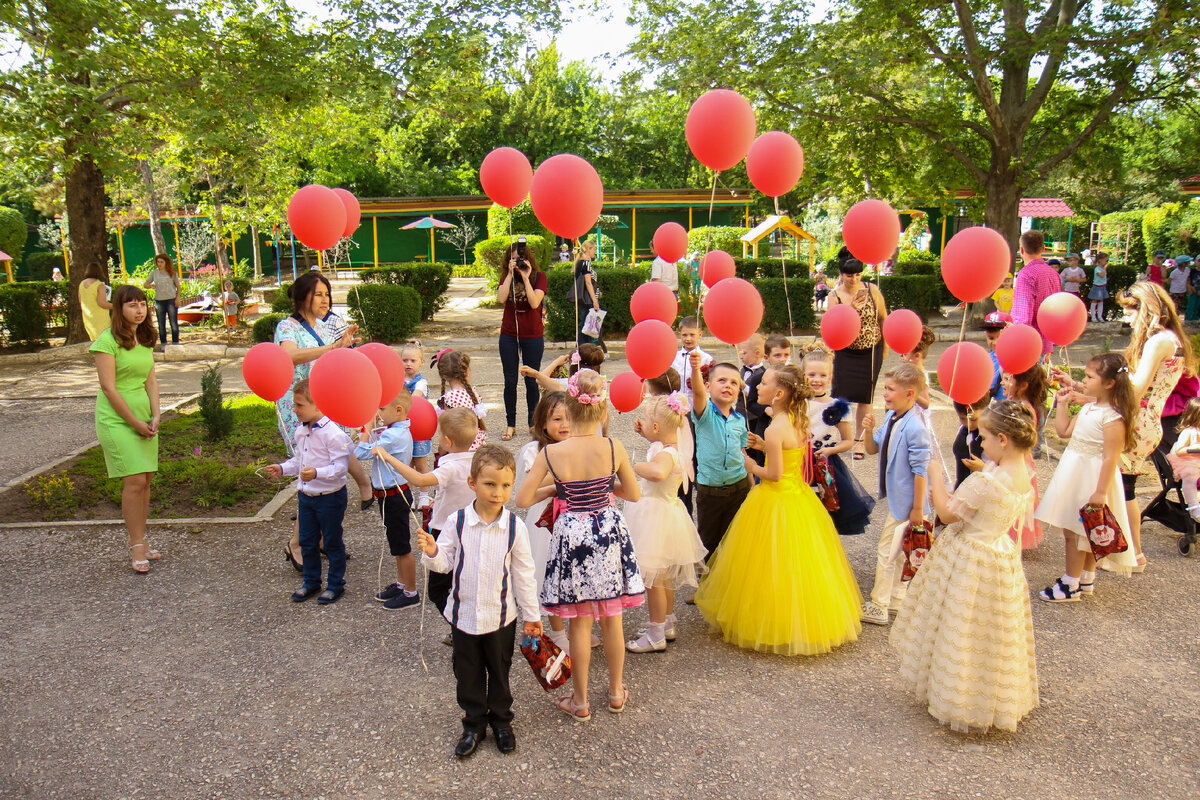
(127, 412)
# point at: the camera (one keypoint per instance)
(519, 252)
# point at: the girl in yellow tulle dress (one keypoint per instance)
(779, 581)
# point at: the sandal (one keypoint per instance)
(617, 704)
(566, 704)
(1060, 593)
(291, 559)
(140, 565)
(508, 434)
(859, 455)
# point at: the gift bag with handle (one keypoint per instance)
(550, 664)
(593, 322)
(1103, 532)
(915, 544)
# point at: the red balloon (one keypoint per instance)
(716, 266)
(720, 128)
(505, 175)
(567, 195)
(975, 262)
(733, 310)
(775, 163)
(345, 385)
(653, 300)
(840, 326)
(390, 367)
(267, 369)
(626, 391)
(353, 210)
(1018, 348)
(1062, 318)
(317, 217)
(422, 420)
(671, 241)
(650, 348)
(965, 372)
(902, 330)
(871, 231)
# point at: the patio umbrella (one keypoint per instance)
(430, 223)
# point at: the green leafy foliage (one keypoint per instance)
(920, 293)
(717, 237)
(217, 416)
(263, 329)
(385, 312)
(52, 491)
(13, 232)
(799, 297)
(1138, 256)
(519, 220)
(282, 304)
(617, 285)
(1172, 227)
(41, 265)
(752, 268)
(429, 280)
(22, 316)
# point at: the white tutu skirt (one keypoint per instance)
(669, 551)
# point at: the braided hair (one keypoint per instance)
(452, 367)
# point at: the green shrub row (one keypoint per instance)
(920, 293)
(799, 296)
(716, 237)
(385, 312)
(41, 265)
(753, 268)
(22, 317)
(282, 304)
(429, 280)
(264, 327)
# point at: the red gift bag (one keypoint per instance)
(551, 665)
(915, 544)
(1103, 531)
(824, 485)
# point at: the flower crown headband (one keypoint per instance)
(678, 402)
(583, 397)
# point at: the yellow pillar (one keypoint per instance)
(8, 269)
(432, 251)
(66, 258)
(689, 218)
(943, 231)
(321, 259)
(633, 240)
(233, 246)
(121, 250)
(375, 234)
(175, 228)
(747, 223)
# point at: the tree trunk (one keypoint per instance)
(1004, 207)
(88, 235)
(218, 223)
(257, 253)
(152, 210)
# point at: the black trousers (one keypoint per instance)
(716, 506)
(438, 584)
(481, 665)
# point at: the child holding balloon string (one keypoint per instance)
(916, 357)
(454, 368)
(413, 356)
(1029, 388)
(661, 386)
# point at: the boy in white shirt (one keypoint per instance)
(689, 340)
(664, 272)
(485, 548)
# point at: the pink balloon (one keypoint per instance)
(268, 370)
(650, 348)
(390, 367)
(353, 210)
(626, 390)
(567, 195)
(775, 163)
(840, 326)
(345, 385)
(422, 420)
(1062, 318)
(653, 300)
(317, 217)
(1018, 348)
(505, 176)
(975, 262)
(871, 231)
(902, 330)
(716, 266)
(671, 241)
(965, 372)
(733, 310)
(720, 128)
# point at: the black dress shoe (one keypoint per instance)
(469, 743)
(367, 503)
(330, 596)
(506, 740)
(304, 592)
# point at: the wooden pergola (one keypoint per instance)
(782, 224)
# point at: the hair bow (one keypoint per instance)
(438, 356)
(575, 357)
(678, 402)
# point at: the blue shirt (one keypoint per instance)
(997, 387)
(397, 441)
(719, 443)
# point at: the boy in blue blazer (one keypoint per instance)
(903, 445)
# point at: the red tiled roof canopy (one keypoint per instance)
(1045, 207)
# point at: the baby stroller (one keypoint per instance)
(1171, 512)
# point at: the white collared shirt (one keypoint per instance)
(453, 492)
(326, 448)
(492, 572)
(683, 365)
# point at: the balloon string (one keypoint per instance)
(424, 567)
(787, 299)
(283, 428)
(712, 202)
(962, 331)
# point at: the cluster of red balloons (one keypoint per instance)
(565, 191)
(320, 216)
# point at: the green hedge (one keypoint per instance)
(1138, 257)
(385, 312)
(41, 265)
(22, 317)
(617, 285)
(429, 280)
(490, 251)
(264, 327)
(282, 304)
(751, 268)
(716, 237)
(13, 232)
(520, 220)
(920, 293)
(775, 303)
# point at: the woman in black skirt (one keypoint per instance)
(856, 368)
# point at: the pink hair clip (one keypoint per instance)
(438, 356)
(575, 357)
(678, 402)
(584, 398)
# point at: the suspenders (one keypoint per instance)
(460, 520)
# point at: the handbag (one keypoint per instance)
(550, 664)
(1103, 532)
(915, 544)
(824, 484)
(591, 325)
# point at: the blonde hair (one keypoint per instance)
(1155, 312)
(907, 376)
(658, 410)
(403, 399)
(816, 352)
(413, 346)
(792, 381)
(586, 382)
(459, 425)
(1013, 419)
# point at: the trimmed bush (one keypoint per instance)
(264, 326)
(716, 237)
(385, 312)
(752, 268)
(919, 293)
(282, 304)
(41, 265)
(13, 232)
(489, 252)
(775, 302)
(429, 280)
(523, 220)
(1138, 256)
(617, 285)
(21, 314)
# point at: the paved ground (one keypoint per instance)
(201, 679)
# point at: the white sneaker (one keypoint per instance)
(874, 613)
(643, 645)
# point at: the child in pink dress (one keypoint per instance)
(454, 368)
(1185, 455)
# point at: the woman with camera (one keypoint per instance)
(522, 289)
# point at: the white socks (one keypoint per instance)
(656, 631)
(1073, 582)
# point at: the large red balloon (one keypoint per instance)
(716, 266)
(317, 217)
(268, 370)
(626, 390)
(653, 300)
(1062, 318)
(567, 195)
(902, 330)
(353, 210)
(1018, 348)
(505, 176)
(871, 231)
(390, 367)
(775, 163)
(671, 241)
(422, 420)
(345, 385)
(720, 128)
(975, 262)
(650, 348)
(965, 372)
(733, 310)
(840, 326)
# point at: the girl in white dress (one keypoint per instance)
(668, 548)
(1087, 474)
(965, 631)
